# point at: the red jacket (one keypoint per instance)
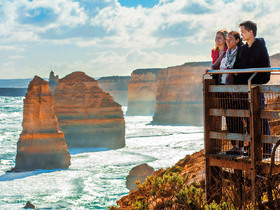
(215, 54)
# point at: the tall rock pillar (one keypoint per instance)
(41, 144)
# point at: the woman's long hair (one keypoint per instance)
(236, 36)
(224, 33)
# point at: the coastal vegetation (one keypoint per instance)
(182, 186)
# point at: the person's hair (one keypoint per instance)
(249, 25)
(236, 36)
(224, 33)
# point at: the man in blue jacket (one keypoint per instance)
(251, 55)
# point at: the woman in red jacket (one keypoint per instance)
(220, 47)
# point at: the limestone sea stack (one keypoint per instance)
(142, 90)
(53, 81)
(117, 87)
(179, 95)
(88, 116)
(41, 144)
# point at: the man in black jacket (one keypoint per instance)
(251, 55)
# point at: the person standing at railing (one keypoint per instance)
(219, 49)
(252, 55)
(233, 42)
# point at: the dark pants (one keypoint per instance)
(242, 125)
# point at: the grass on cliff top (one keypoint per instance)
(167, 189)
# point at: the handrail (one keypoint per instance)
(251, 70)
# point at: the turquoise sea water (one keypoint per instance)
(96, 177)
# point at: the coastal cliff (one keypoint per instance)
(117, 87)
(179, 95)
(41, 144)
(142, 90)
(88, 116)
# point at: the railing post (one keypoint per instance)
(212, 174)
(255, 132)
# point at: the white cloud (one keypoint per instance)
(12, 48)
(122, 39)
(23, 19)
(16, 57)
(8, 64)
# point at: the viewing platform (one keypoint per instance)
(241, 135)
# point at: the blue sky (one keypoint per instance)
(115, 37)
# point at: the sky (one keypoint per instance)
(115, 37)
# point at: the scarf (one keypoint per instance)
(230, 57)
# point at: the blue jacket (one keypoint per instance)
(255, 56)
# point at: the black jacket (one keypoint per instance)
(255, 56)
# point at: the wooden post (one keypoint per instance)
(255, 127)
(212, 174)
(238, 186)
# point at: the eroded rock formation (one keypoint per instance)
(138, 173)
(117, 87)
(179, 94)
(88, 116)
(41, 144)
(53, 82)
(142, 90)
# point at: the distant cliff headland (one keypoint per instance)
(179, 94)
(142, 90)
(117, 86)
(173, 95)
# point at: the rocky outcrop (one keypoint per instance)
(88, 116)
(53, 81)
(138, 173)
(41, 144)
(117, 87)
(179, 95)
(142, 90)
(29, 205)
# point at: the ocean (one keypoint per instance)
(96, 178)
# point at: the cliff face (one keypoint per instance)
(117, 87)
(179, 95)
(142, 90)
(88, 116)
(41, 144)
